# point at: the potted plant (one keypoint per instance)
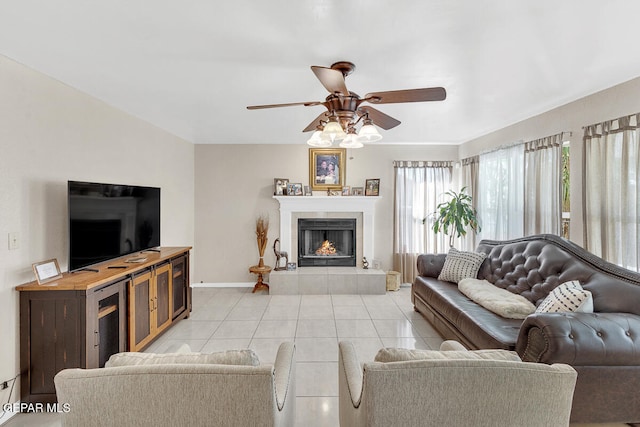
(456, 215)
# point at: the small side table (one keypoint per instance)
(260, 270)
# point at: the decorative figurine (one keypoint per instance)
(280, 255)
(365, 263)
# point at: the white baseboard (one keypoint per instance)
(223, 285)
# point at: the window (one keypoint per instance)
(500, 193)
(419, 187)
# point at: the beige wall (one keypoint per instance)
(50, 133)
(608, 104)
(234, 184)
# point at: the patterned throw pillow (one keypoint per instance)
(460, 265)
(567, 297)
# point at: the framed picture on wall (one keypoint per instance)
(327, 168)
(372, 187)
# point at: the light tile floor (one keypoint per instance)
(234, 318)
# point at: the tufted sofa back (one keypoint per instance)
(533, 266)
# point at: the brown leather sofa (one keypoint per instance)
(603, 347)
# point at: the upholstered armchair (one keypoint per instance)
(452, 387)
(221, 389)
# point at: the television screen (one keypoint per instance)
(108, 220)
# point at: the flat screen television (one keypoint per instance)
(107, 221)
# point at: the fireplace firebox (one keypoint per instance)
(327, 242)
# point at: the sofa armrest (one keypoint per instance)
(430, 265)
(581, 339)
(284, 373)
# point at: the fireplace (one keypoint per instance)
(327, 242)
(361, 208)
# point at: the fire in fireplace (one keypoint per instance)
(326, 248)
(326, 242)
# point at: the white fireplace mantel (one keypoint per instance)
(357, 204)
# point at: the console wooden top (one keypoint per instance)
(108, 271)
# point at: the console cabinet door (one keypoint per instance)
(150, 305)
(52, 339)
(141, 309)
(163, 301)
(106, 320)
(180, 285)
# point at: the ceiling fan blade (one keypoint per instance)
(409, 95)
(306, 104)
(379, 118)
(316, 122)
(332, 80)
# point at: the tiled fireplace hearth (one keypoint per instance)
(316, 277)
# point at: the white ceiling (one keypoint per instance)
(192, 66)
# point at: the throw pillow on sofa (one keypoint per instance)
(460, 265)
(500, 301)
(567, 297)
(230, 357)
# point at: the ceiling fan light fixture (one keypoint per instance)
(351, 140)
(316, 140)
(369, 133)
(334, 131)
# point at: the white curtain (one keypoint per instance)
(611, 190)
(419, 187)
(501, 193)
(543, 186)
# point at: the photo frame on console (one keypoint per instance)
(47, 271)
(327, 168)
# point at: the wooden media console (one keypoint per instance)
(80, 320)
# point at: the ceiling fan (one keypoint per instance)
(344, 109)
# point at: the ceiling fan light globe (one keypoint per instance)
(334, 131)
(316, 140)
(351, 142)
(368, 133)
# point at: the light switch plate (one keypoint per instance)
(14, 241)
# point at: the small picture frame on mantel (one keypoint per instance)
(280, 186)
(47, 271)
(372, 187)
(294, 189)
